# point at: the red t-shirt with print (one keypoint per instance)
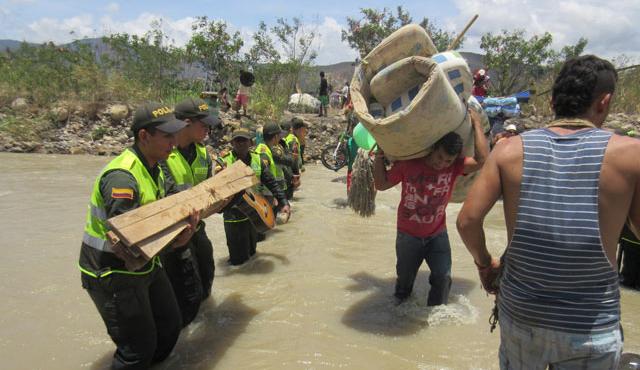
(425, 195)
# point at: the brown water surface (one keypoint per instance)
(317, 296)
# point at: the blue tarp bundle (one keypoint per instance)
(508, 111)
(500, 101)
(507, 105)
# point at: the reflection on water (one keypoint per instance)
(317, 295)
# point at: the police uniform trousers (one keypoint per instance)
(182, 270)
(241, 240)
(203, 249)
(141, 315)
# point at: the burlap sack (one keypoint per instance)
(410, 40)
(434, 111)
(457, 71)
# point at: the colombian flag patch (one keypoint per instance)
(122, 193)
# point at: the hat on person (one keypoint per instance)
(199, 109)
(511, 127)
(156, 115)
(241, 133)
(271, 128)
(298, 122)
(286, 126)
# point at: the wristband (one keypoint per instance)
(482, 267)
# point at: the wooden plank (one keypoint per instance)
(154, 244)
(142, 223)
(237, 170)
(143, 229)
(132, 259)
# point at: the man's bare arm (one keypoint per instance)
(634, 211)
(380, 172)
(482, 196)
(481, 149)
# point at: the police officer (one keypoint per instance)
(191, 269)
(241, 235)
(290, 150)
(139, 307)
(273, 153)
(300, 133)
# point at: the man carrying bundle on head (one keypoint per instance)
(241, 235)
(427, 184)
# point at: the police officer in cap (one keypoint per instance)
(191, 268)
(288, 158)
(139, 307)
(273, 153)
(241, 235)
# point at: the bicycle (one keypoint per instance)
(336, 155)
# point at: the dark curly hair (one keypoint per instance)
(451, 143)
(580, 81)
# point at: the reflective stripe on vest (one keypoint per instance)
(290, 139)
(187, 175)
(275, 171)
(95, 231)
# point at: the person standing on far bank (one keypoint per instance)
(427, 184)
(323, 95)
(139, 307)
(567, 190)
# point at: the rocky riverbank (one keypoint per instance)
(105, 130)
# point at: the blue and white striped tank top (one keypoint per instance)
(556, 273)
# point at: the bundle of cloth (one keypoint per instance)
(508, 106)
(408, 96)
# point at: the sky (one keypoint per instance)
(612, 27)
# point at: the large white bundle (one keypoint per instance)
(433, 112)
(303, 103)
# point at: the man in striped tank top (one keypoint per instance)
(567, 190)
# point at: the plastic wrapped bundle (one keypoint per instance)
(303, 103)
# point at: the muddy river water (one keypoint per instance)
(318, 295)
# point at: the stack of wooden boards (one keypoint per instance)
(140, 234)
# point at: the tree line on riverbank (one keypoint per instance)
(133, 68)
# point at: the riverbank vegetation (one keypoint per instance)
(130, 69)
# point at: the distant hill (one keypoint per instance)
(10, 44)
(95, 43)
